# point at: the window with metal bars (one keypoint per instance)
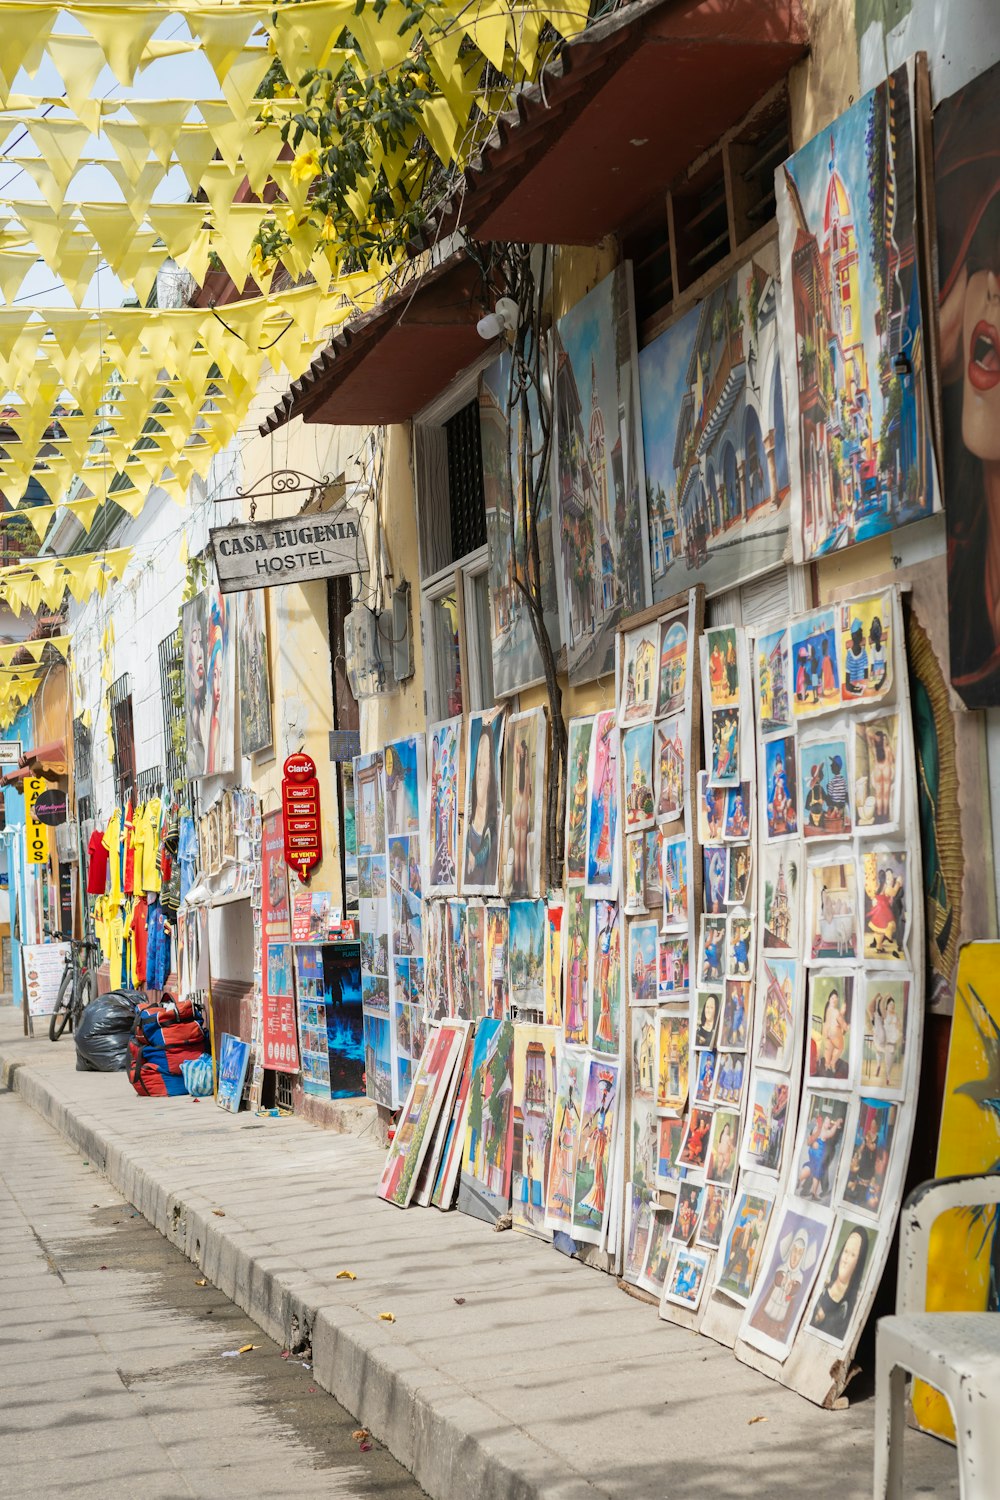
(171, 653)
(148, 784)
(123, 736)
(83, 745)
(466, 496)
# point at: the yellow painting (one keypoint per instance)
(965, 1244)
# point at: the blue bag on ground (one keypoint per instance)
(197, 1075)
(103, 1033)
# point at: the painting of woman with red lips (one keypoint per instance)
(967, 185)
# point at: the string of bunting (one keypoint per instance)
(110, 404)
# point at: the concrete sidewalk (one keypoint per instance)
(545, 1381)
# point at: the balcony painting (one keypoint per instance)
(862, 459)
(602, 555)
(517, 662)
(713, 424)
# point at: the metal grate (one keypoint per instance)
(466, 497)
(148, 784)
(83, 747)
(283, 1090)
(122, 736)
(171, 653)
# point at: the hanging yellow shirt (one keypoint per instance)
(116, 943)
(147, 846)
(112, 842)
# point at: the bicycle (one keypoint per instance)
(76, 988)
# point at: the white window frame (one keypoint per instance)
(457, 576)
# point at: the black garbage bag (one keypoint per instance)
(103, 1033)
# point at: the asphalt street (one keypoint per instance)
(117, 1376)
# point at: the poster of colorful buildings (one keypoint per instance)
(713, 431)
(862, 460)
(599, 520)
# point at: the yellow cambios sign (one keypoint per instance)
(966, 1242)
(36, 835)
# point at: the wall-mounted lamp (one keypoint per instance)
(503, 319)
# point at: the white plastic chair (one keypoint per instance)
(957, 1353)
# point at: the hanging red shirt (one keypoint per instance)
(97, 864)
(139, 937)
(128, 877)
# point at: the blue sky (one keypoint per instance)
(662, 370)
(187, 76)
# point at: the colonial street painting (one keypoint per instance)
(861, 453)
(599, 520)
(713, 431)
(517, 662)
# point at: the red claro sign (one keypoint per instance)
(300, 815)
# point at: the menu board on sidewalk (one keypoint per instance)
(44, 964)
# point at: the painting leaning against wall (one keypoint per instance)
(602, 549)
(967, 184)
(517, 662)
(853, 343)
(713, 432)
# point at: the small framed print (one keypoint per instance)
(716, 860)
(886, 899)
(793, 1252)
(708, 1009)
(711, 810)
(676, 887)
(744, 1238)
(712, 955)
(669, 1137)
(825, 787)
(735, 1013)
(723, 1147)
(832, 1030)
(669, 768)
(884, 1006)
(738, 875)
(713, 1216)
(642, 962)
(876, 773)
(725, 760)
(739, 945)
(694, 1147)
(780, 788)
(739, 802)
(675, 967)
(673, 1051)
(704, 1072)
(874, 1133)
(687, 1212)
(820, 1145)
(832, 909)
(768, 1120)
(730, 1076)
(866, 648)
(842, 1281)
(686, 1278)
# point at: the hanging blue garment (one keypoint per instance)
(157, 946)
(187, 853)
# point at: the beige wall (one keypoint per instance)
(825, 83)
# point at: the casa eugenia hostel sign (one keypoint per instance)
(262, 554)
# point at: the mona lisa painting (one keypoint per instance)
(967, 184)
(481, 838)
